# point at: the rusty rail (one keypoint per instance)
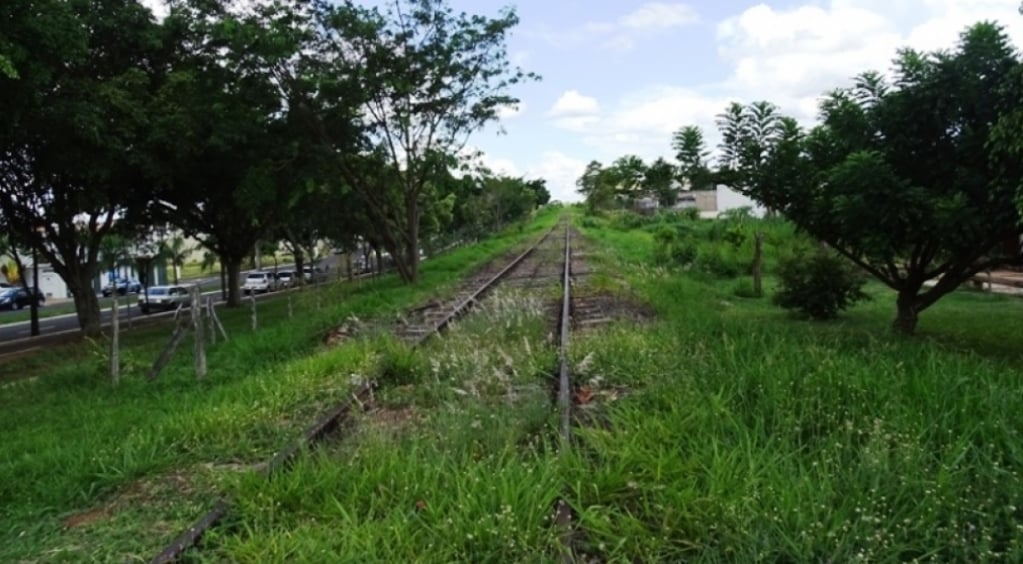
(324, 425)
(564, 516)
(466, 304)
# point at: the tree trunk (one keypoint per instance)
(348, 264)
(379, 263)
(299, 264)
(234, 268)
(907, 314)
(86, 304)
(412, 243)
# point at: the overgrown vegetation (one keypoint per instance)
(785, 441)
(773, 439)
(82, 450)
(819, 285)
(457, 465)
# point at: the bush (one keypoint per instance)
(720, 261)
(744, 289)
(673, 248)
(818, 286)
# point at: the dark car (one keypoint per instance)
(122, 286)
(17, 298)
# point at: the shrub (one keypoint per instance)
(744, 289)
(818, 286)
(720, 261)
(673, 248)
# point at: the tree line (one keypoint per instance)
(916, 176)
(285, 120)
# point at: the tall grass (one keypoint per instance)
(75, 444)
(456, 466)
(750, 436)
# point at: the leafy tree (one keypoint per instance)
(747, 132)
(902, 179)
(79, 76)
(692, 155)
(628, 172)
(598, 186)
(659, 180)
(221, 133)
(415, 80)
(541, 195)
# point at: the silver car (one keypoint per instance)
(163, 298)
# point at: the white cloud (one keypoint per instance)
(791, 57)
(511, 111)
(573, 103)
(623, 33)
(659, 15)
(158, 7)
(560, 171)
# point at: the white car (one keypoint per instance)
(286, 279)
(261, 282)
(163, 298)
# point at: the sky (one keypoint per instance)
(619, 77)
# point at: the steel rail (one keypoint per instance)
(280, 462)
(466, 304)
(564, 515)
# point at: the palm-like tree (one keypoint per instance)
(176, 251)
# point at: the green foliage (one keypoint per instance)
(691, 153)
(913, 180)
(722, 261)
(744, 289)
(399, 365)
(659, 180)
(820, 285)
(799, 435)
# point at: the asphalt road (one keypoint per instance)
(69, 322)
(15, 337)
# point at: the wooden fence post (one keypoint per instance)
(200, 340)
(115, 352)
(210, 321)
(758, 263)
(255, 320)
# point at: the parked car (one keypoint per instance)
(123, 286)
(163, 298)
(17, 298)
(286, 279)
(314, 274)
(259, 282)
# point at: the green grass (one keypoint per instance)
(76, 444)
(748, 435)
(725, 430)
(457, 465)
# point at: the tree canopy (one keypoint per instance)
(904, 178)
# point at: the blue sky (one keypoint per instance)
(619, 77)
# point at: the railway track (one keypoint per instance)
(433, 317)
(547, 263)
(527, 269)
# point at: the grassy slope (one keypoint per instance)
(79, 447)
(750, 435)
